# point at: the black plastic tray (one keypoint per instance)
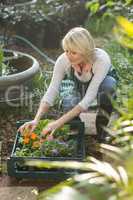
(14, 163)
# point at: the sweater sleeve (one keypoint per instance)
(58, 75)
(100, 71)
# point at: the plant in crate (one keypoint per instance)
(66, 143)
(37, 145)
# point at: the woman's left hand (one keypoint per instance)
(51, 127)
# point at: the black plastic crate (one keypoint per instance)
(17, 168)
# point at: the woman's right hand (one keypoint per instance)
(30, 126)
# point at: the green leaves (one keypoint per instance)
(110, 3)
(57, 145)
(71, 194)
(110, 8)
(50, 193)
(1, 56)
(128, 2)
(3, 66)
(93, 6)
(101, 180)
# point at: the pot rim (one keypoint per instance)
(21, 76)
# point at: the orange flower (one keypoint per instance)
(26, 134)
(33, 136)
(26, 140)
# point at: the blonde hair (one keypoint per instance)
(80, 40)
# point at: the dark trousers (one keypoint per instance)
(106, 94)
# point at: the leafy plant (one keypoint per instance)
(123, 32)
(7, 66)
(100, 180)
(107, 10)
(110, 7)
(98, 26)
(57, 7)
(36, 145)
(122, 61)
(3, 66)
(12, 13)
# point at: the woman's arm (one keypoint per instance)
(53, 89)
(92, 90)
(48, 98)
(31, 125)
(65, 118)
(58, 75)
(43, 108)
(74, 112)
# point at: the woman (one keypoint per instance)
(89, 67)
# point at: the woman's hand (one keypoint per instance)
(51, 127)
(30, 126)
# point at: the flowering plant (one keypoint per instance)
(57, 144)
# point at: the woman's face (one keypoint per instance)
(74, 57)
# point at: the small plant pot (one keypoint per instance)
(16, 165)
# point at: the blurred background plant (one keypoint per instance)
(19, 18)
(12, 12)
(101, 11)
(110, 7)
(111, 24)
(124, 32)
(2, 64)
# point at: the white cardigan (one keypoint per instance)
(62, 66)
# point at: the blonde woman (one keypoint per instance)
(88, 67)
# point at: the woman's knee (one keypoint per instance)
(107, 91)
(108, 86)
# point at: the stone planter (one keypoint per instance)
(22, 68)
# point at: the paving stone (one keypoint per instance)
(18, 193)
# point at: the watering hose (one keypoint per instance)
(41, 53)
(33, 47)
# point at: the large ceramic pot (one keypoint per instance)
(22, 68)
(26, 67)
